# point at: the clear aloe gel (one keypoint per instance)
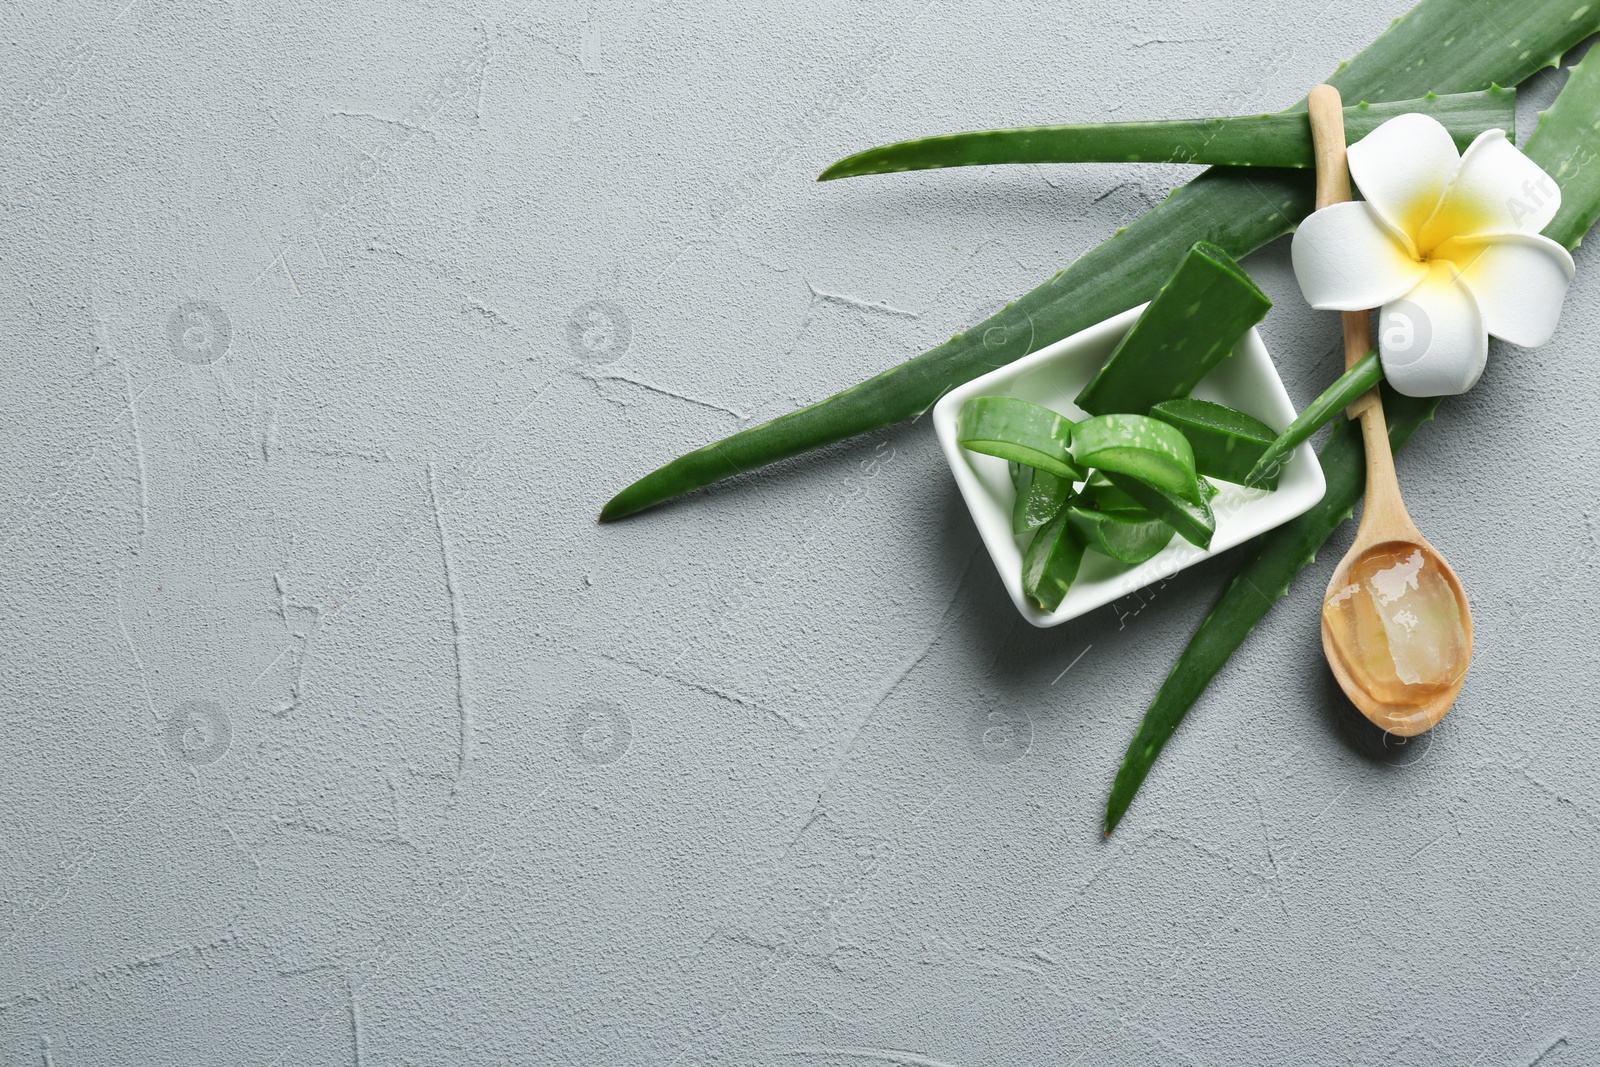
(1397, 625)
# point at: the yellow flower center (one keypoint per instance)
(1453, 218)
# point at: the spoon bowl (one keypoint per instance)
(1393, 704)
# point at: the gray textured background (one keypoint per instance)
(336, 732)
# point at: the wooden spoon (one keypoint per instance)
(1396, 643)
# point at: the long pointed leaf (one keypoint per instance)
(1280, 140)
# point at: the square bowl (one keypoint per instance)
(1246, 379)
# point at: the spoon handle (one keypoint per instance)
(1333, 187)
(1384, 507)
(1327, 139)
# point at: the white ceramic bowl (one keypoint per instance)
(1053, 376)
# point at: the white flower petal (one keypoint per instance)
(1432, 342)
(1519, 281)
(1497, 190)
(1403, 168)
(1346, 259)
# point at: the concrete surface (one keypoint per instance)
(336, 732)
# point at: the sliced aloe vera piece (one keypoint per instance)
(1139, 447)
(1125, 538)
(1227, 443)
(1018, 431)
(1040, 496)
(1051, 563)
(1098, 494)
(1194, 321)
(1194, 521)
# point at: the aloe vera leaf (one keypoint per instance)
(1018, 431)
(1363, 375)
(1441, 46)
(1126, 539)
(1226, 442)
(1239, 213)
(1194, 321)
(1565, 143)
(1139, 447)
(1262, 581)
(1040, 497)
(1051, 563)
(1193, 520)
(1278, 140)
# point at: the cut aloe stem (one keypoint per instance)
(1040, 497)
(1018, 431)
(1194, 321)
(1051, 563)
(1125, 538)
(1139, 447)
(1226, 442)
(1366, 373)
(1194, 521)
(1279, 140)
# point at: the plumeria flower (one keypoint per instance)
(1447, 244)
